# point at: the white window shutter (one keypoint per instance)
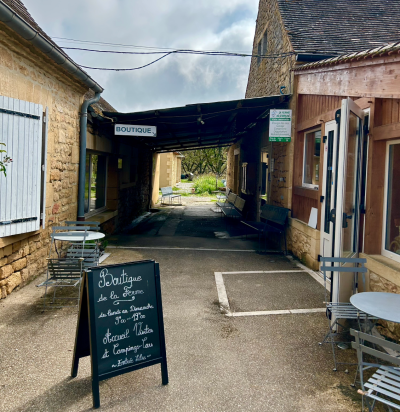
(21, 131)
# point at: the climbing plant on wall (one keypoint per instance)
(4, 160)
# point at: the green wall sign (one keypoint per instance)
(280, 125)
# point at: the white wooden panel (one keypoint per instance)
(20, 190)
(44, 165)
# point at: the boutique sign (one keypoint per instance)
(135, 130)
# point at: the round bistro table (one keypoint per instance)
(385, 306)
(78, 236)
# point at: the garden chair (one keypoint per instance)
(89, 250)
(62, 273)
(384, 384)
(339, 312)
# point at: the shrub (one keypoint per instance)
(206, 184)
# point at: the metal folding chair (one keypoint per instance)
(384, 384)
(89, 250)
(338, 312)
(93, 226)
(62, 273)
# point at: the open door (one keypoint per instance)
(346, 214)
(330, 142)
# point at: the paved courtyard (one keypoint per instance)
(242, 331)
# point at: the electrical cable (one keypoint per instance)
(283, 55)
(66, 39)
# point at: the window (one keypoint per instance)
(259, 51)
(95, 182)
(244, 177)
(262, 47)
(312, 147)
(391, 227)
(23, 189)
(264, 44)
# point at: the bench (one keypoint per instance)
(223, 195)
(229, 201)
(274, 220)
(167, 193)
(235, 212)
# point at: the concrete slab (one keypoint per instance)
(273, 291)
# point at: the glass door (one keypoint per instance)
(349, 155)
(329, 147)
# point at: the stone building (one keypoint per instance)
(42, 92)
(170, 168)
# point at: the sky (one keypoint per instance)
(177, 80)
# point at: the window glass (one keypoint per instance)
(329, 176)
(392, 238)
(95, 182)
(264, 44)
(350, 201)
(312, 147)
(87, 179)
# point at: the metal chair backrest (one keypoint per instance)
(354, 270)
(93, 226)
(386, 380)
(227, 191)
(166, 191)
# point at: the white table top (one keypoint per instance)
(383, 305)
(77, 236)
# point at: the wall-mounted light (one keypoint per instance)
(200, 120)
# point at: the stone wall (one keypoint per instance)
(380, 284)
(304, 242)
(28, 75)
(384, 276)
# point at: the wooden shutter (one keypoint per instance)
(21, 131)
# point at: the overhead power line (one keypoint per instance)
(165, 54)
(134, 46)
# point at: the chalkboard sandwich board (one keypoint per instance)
(120, 322)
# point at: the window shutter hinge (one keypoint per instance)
(325, 137)
(42, 168)
(321, 199)
(319, 258)
(44, 118)
(41, 216)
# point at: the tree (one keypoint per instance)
(4, 160)
(216, 160)
(205, 161)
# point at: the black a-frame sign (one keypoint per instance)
(120, 322)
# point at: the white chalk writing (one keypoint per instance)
(108, 279)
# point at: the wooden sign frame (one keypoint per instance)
(86, 343)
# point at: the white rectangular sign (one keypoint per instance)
(135, 130)
(280, 125)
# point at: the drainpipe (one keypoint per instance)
(82, 156)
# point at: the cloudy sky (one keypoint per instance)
(226, 25)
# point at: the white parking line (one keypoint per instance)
(276, 312)
(262, 271)
(224, 301)
(182, 248)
